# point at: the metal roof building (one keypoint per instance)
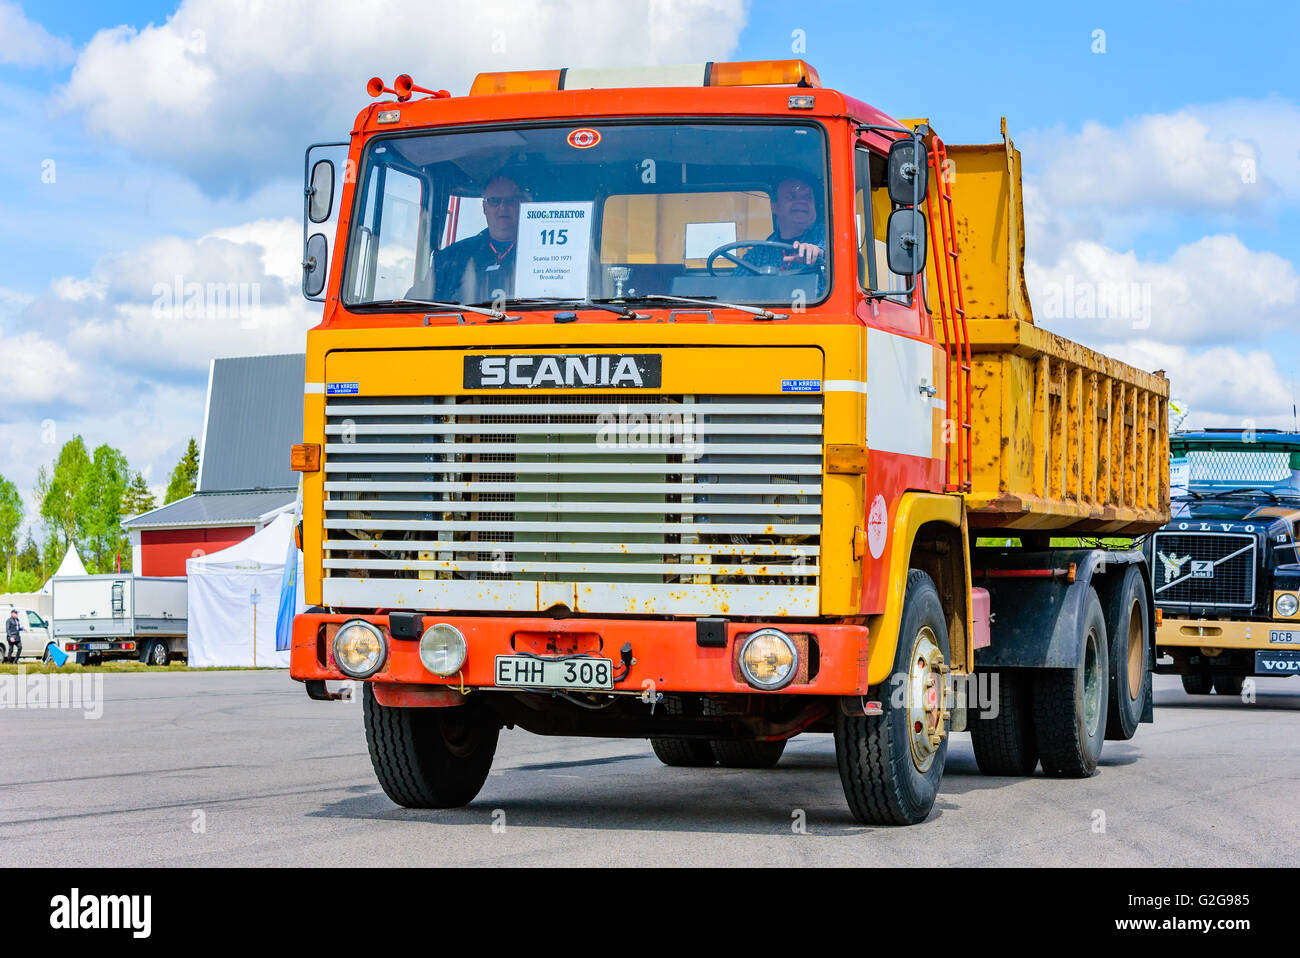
(252, 416)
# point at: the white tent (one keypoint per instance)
(234, 594)
(71, 565)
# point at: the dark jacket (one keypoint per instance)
(12, 628)
(470, 271)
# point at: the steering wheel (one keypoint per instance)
(725, 252)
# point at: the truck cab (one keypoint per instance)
(1227, 565)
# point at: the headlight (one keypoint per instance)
(359, 648)
(768, 659)
(442, 649)
(1287, 604)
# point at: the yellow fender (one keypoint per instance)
(914, 510)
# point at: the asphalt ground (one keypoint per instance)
(241, 768)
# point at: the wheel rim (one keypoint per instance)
(461, 739)
(158, 654)
(925, 699)
(1135, 651)
(1091, 684)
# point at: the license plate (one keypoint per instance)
(580, 673)
(97, 646)
(1279, 662)
(1281, 637)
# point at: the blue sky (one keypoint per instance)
(175, 132)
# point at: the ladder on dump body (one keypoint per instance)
(952, 313)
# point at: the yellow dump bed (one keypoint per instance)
(1064, 439)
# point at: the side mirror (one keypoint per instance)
(321, 192)
(314, 267)
(905, 240)
(907, 172)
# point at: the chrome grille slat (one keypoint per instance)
(1233, 582)
(424, 497)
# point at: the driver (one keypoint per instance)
(794, 212)
(473, 269)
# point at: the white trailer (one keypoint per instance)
(121, 616)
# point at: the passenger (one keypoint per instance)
(473, 269)
(794, 213)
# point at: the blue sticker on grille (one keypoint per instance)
(342, 389)
(801, 385)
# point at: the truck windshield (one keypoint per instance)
(607, 211)
(1260, 470)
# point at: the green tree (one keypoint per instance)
(62, 491)
(99, 518)
(23, 581)
(29, 559)
(11, 517)
(185, 476)
(138, 499)
(53, 549)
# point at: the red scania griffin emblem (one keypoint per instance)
(584, 139)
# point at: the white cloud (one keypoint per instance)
(231, 92)
(1182, 161)
(1214, 290)
(27, 44)
(1220, 386)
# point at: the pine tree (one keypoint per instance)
(185, 476)
(137, 499)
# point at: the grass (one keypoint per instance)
(34, 666)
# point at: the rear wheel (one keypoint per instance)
(748, 754)
(683, 752)
(1129, 641)
(1197, 683)
(891, 764)
(429, 757)
(48, 656)
(1070, 704)
(1226, 684)
(156, 654)
(1004, 743)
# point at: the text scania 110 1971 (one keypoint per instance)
(673, 403)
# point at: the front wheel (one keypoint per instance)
(1197, 683)
(429, 757)
(683, 752)
(891, 764)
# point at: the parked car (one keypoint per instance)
(37, 636)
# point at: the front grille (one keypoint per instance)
(647, 503)
(1205, 569)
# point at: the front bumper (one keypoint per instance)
(666, 653)
(1226, 634)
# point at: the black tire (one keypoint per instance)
(683, 752)
(1128, 636)
(884, 780)
(1197, 683)
(1226, 683)
(156, 653)
(83, 658)
(1004, 743)
(46, 657)
(732, 754)
(1070, 704)
(429, 757)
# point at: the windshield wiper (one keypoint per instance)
(450, 307)
(1187, 495)
(713, 301)
(1247, 489)
(610, 306)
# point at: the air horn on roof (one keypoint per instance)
(402, 88)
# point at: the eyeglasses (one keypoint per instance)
(502, 200)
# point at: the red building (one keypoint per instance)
(253, 415)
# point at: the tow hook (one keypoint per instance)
(317, 691)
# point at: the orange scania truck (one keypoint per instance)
(704, 405)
